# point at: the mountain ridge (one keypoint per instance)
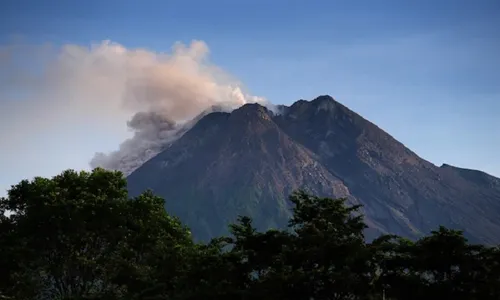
(249, 160)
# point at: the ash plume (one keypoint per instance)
(172, 90)
(108, 91)
(153, 132)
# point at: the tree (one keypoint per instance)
(322, 256)
(396, 262)
(78, 236)
(441, 265)
(330, 249)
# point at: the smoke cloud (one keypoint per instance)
(155, 95)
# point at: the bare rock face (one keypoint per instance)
(247, 163)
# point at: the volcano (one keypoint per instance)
(247, 162)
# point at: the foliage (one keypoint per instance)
(79, 236)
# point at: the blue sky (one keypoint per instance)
(425, 71)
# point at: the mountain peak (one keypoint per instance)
(327, 103)
(324, 98)
(250, 111)
(323, 106)
(251, 107)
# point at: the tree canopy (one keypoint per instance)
(79, 236)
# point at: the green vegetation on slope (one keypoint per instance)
(78, 236)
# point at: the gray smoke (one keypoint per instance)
(153, 133)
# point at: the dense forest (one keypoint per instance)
(79, 236)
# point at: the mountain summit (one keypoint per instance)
(247, 163)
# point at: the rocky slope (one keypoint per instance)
(247, 162)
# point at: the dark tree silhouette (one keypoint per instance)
(79, 236)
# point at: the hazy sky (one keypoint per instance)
(426, 71)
